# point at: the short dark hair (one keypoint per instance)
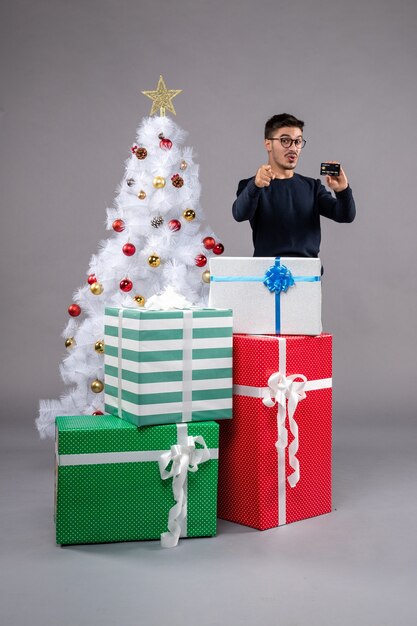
(281, 120)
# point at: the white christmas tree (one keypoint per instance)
(159, 243)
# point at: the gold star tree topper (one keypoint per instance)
(162, 98)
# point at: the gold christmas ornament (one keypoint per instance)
(141, 195)
(96, 289)
(183, 165)
(159, 182)
(161, 98)
(97, 386)
(69, 342)
(154, 260)
(140, 300)
(99, 346)
(206, 276)
(188, 215)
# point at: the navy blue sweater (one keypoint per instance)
(285, 217)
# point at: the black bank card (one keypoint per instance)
(330, 169)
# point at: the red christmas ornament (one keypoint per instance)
(74, 310)
(165, 144)
(118, 225)
(126, 285)
(200, 260)
(174, 225)
(218, 248)
(129, 249)
(209, 243)
(98, 413)
(91, 279)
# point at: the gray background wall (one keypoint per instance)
(71, 76)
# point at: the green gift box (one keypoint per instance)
(116, 482)
(165, 367)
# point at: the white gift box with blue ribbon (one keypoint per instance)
(279, 295)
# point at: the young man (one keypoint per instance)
(283, 207)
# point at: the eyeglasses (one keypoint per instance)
(286, 142)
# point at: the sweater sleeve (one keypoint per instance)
(246, 203)
(341, 208)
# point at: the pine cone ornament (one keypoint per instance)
(177, 181)
(141, 153)
(157, 221)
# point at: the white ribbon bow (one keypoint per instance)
(183, 459)
(282, 388)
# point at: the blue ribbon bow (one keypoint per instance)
(278, 278)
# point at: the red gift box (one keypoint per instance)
(275, 461)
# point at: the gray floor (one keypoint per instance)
(356, 566)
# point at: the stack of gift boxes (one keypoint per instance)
(166, 459)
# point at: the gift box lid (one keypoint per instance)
(152, 314)
(256, 357)
(222, 266)
(83, 434)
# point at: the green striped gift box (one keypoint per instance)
(109, 486)
(165, 367)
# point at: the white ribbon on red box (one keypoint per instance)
(286, 391)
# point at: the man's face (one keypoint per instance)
(282, 157)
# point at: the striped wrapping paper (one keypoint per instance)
(164, 367)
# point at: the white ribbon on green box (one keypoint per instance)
(286, 392)
(183, 457)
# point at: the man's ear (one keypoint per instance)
(268, 145)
